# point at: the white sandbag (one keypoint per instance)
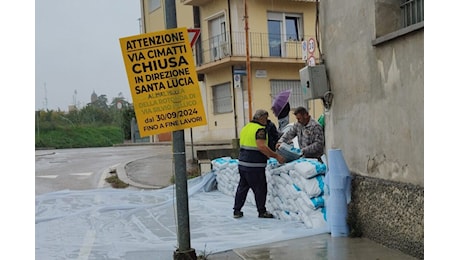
(316, 202)
(289, 152)
(292, 192)
(279, 181)
(287, 178)
(290, 205)
(278, 203)
(305, 169)
(220, 163)
(314, 187)
(318, 218)
(306, 220)
(319, 166)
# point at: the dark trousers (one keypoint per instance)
(254, 179)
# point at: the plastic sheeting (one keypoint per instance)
(133, 224)
(339, 182)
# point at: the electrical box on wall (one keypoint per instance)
(313, 82)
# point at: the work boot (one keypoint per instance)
(266, 214)
(237, 214)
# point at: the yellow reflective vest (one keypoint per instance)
(250, 156)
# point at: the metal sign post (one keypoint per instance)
(184, 250)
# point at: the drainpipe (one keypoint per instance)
(197, 24)
(230, 37)
(142, 19)
(248, 61)
(235, 115)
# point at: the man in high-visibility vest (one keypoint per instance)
(254, 153)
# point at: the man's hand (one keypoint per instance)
(280, 159)
(278, 145)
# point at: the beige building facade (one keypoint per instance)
(248, 52)
(251, 50)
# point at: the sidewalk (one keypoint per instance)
(138, 174)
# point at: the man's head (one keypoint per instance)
(261, 116)
(302, 116)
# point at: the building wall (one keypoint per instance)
(227, 126)
(211, 11)
(377, 110)
(388, 212)
(377, 119)
(150, 17)
(221, 126)
(257, 13)
(155, 20)
(224, 126)
(261, 86)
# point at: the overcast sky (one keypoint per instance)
(77, 50)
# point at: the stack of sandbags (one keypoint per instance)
(227, 175)
(295, 189)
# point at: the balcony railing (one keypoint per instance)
(261, 45)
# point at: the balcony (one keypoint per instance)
(230, 49)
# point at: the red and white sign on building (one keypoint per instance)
(311, 61)
(193, 35)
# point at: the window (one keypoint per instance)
(296, 98)
(222, 98)
(293, 28)
(395, 18)
(274, 38)
(218, 38)
(283, 27)
(411, 12)
(153, 5)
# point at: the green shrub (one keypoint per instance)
(78, 137)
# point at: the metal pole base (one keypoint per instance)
(185, 255)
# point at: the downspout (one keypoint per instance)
(142, 21)
(235, 115)
(248, 61)
(197, 24)
(230, 29)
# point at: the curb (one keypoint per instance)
(123, 176)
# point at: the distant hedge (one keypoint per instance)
(78, 137)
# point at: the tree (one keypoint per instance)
(100, 102)
(127, 115)
(120, 99)
(97, 113)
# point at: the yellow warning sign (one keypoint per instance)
(163, 81)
